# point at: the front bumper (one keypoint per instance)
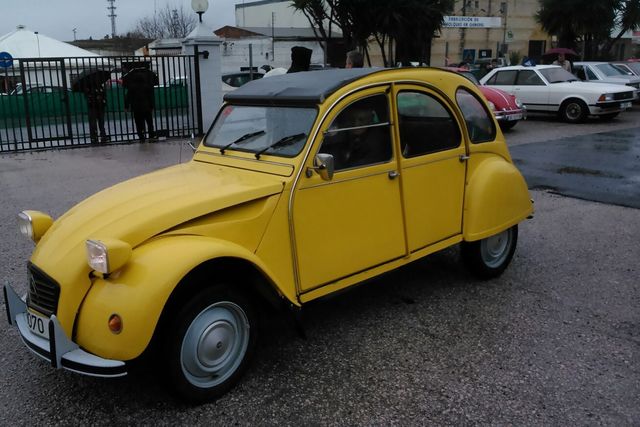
(59, 350)
(510, 115)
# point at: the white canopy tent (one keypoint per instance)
(22, 43)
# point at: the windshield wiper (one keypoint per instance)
(241, 139)
(281, 143)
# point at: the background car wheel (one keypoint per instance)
(609, 116)
(508, 125)
(574, 111)
(489, 257)
(209, 344)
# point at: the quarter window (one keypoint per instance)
(425, 125)
(479, 121)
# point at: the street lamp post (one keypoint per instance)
(199, 7)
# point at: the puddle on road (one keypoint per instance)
(584, 171)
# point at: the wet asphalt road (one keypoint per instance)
(603, 167)
(554, 341)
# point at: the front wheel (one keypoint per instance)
(574, 111)
(209, 344)
(488, 258)
(508, 125)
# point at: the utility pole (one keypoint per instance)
(74, 34)
(112, 14)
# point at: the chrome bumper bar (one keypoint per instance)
(59, 350)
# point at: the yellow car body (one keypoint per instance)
(274, 220)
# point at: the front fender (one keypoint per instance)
(140, 290)
(496, 197)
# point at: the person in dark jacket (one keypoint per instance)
(140, 100)
(300, 59)
(96, 106)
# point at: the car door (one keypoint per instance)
(433, 166)
(353, 221)
(529, 86)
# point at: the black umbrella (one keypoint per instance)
(140, 76)
(90, 78)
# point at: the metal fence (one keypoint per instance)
(39, 109)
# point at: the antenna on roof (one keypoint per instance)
(112, 14)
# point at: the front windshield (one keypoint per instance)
(610, 71)
(557, 75)
(278, 131)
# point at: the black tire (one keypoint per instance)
(508, 125)
(488, 258)
(574, 111)
(609, 116)
(209, 343)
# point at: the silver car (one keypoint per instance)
(604, 72)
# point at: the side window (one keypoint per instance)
(360, 134)
(426, 126)
(529, 78)
(505, 78)
(579, 71)
(479, 121)
(591, 74)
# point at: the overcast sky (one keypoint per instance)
(58, 18)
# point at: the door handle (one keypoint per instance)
(463, 158)
(394, 174)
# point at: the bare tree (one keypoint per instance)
(170, 22)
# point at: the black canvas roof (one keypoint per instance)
(303, 88)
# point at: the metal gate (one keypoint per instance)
(38, 108)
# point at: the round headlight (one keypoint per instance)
(519, 103)
(491, 105)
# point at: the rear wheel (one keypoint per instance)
(208, 346)
(489, 257)
(574, 111)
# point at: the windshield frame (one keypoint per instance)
(268, 138)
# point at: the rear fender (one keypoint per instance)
(496, 197)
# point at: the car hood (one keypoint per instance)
(143, 207)
(500, 98)
(591, 87)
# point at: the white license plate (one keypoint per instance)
(39, 325)
(514, 117)
(625, 105)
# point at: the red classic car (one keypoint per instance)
(507, 109)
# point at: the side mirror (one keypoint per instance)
(323, 165)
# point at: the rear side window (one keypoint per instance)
(426, 126)
(479, 121)
(503, 78)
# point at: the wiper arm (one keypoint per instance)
(241, 139)
(287, 140)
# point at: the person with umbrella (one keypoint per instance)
(561, 53)
(91, 84)
(140, 100)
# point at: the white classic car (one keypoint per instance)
(551, 89)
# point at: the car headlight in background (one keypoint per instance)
(606, 97)
(519, 103)
(491, 105)
(107, 255)
(34, 224)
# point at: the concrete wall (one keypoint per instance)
(259, 14)
(235, 52)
